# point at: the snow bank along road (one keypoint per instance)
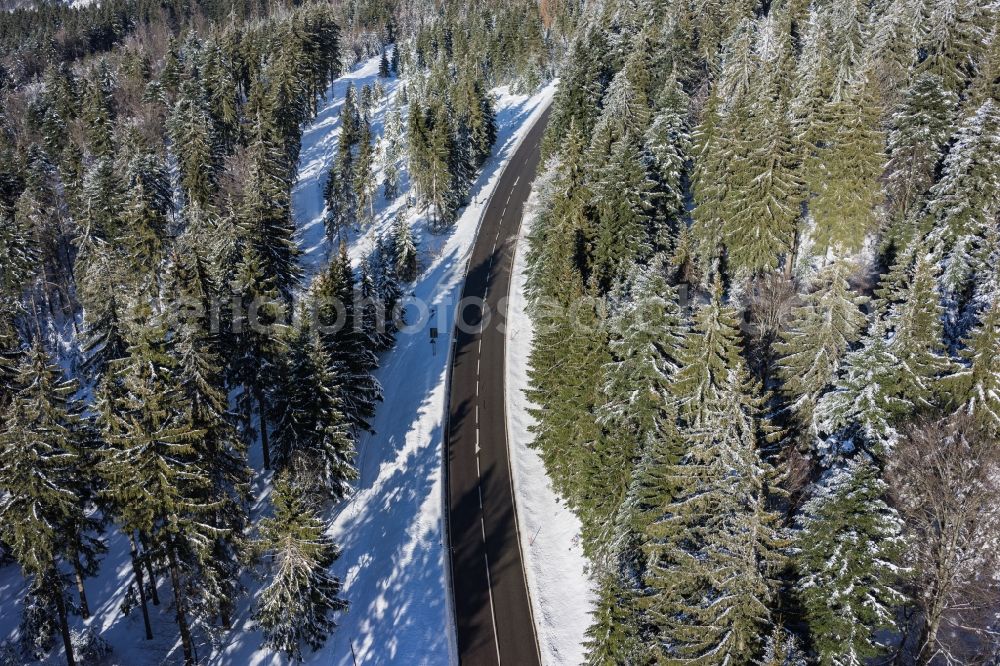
(492, 608)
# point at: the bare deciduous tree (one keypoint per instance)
(945, 476)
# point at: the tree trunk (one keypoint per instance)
(63, 620)
(148, 562)
(792, 256)
(181, 614)
(265, 446)
(927, 645)
(78, 573)
(137, 572)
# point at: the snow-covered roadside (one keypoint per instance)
(562, 593)
(392, 532)
(394, 560)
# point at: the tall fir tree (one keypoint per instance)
(311, 437)
(848, 555)
(347, 342)
(638, 404)
(393, 149)
(823, 327)
(196, 352)
(918, 336)
(364, 176)
(259, 346)
(625, 206)
(612, 638)
(919, 131)
(718, 545)
(843, 160)
(194, 137)
(975, 385)
(864, 406)
(963, 206)
(294, 607)
(407, 255)
(40, 507)
(155, 478)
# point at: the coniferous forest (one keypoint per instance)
(172, 377)
(763, 272)
(770, 230)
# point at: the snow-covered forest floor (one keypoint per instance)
(393, 560)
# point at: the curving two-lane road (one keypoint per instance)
(492, 608)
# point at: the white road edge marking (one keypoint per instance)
(489, 587)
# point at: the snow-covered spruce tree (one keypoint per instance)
(393, 149)
(918, 337)
(41, 209)
(843, 161)
(194, 138)
(364, 176)
(474, 111)
(365, 103)
(644, 335)
(257, 346)
(222, 93)
(406, 249)
(434, 158)
(40, 509)
(105, 320)
(715, 150)
(759, 226)
(975, 386)
(668, 142)
(918, 132)
(578, 101)
(718, 543)
(823, 327)
(99, 202)
(144, 216)
(569, 352)
(284, 100)
(383, 66)
(865, 400)
(953, 40)
(612, 638)
(155, 478)
(761, 191)
(350, 118)
(61, 99)
(848, 550)
(196, 352)
(624, 203)
(626, 108)
(266, 212)
(711, 349)
(964, 205)
(18, 254)
(345, 340)
(311, 438)
(444, 183)
(654, 487)
(559, 241)
(379, 292)
(711, 159)
(97, 110)
(338, 191)
(295, 606)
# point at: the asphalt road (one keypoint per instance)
(492, 608)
